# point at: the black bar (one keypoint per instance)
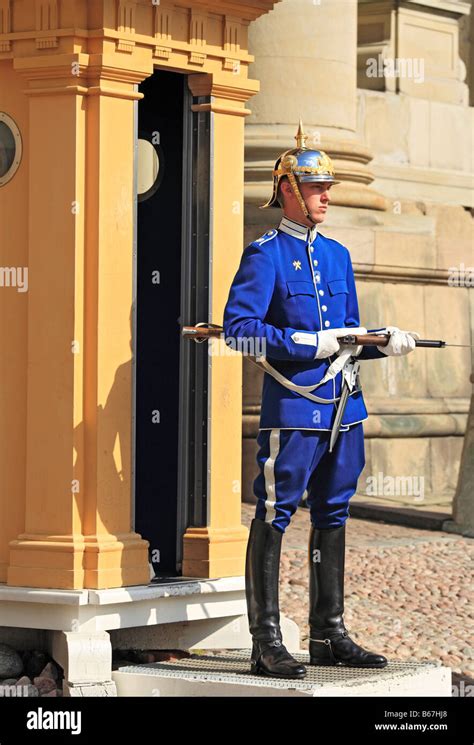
(430, 343)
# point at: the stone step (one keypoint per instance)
(228, 674)
(400, 514)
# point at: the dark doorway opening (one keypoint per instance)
(172, 269)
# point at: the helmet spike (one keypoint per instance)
(300, 136)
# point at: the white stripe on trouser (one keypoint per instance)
(269, 474)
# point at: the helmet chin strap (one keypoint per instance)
(299, 197)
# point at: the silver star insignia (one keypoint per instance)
(297, 264)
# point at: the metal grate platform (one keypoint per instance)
(229, 675)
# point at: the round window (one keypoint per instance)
(10, 148)
(149, 167)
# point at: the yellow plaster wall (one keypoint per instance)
(68, 78)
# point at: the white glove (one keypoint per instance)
(327, 344)
(400, 342)
(353, 349)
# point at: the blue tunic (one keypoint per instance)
(295, 280)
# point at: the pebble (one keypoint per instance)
(42, 677)
(44, 685)
(11, 664)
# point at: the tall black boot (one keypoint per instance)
(262, 571)
(330, 643)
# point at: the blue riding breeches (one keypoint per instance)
(292, 461)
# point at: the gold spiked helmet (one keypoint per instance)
(301, 164)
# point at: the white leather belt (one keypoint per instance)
(345, 362)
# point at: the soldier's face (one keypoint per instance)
(317, 198)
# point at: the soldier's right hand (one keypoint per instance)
(327, 344)
(400, 342)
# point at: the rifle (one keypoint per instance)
(202, 331)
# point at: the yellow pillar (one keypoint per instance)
(218, 549)
(80, 225)
(13, 325)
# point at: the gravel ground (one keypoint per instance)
(408, 592)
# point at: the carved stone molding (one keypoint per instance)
(46, 19)
(163, 31)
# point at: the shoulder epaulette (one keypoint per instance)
(266, 237)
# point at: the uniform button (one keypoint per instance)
(324, 307)
(316, 262)
(321, 292)
(311, 248)
(327, 323)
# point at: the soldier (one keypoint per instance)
(294, 291)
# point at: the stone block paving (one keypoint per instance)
(408, 592)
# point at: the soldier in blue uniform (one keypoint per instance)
(294, 293)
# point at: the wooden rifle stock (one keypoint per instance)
(202, 332)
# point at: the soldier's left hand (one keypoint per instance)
(400, 342)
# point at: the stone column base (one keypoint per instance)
(214, 552)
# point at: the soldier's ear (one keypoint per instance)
(284, 189)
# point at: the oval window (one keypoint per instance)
(149, 168)
(10, 148)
